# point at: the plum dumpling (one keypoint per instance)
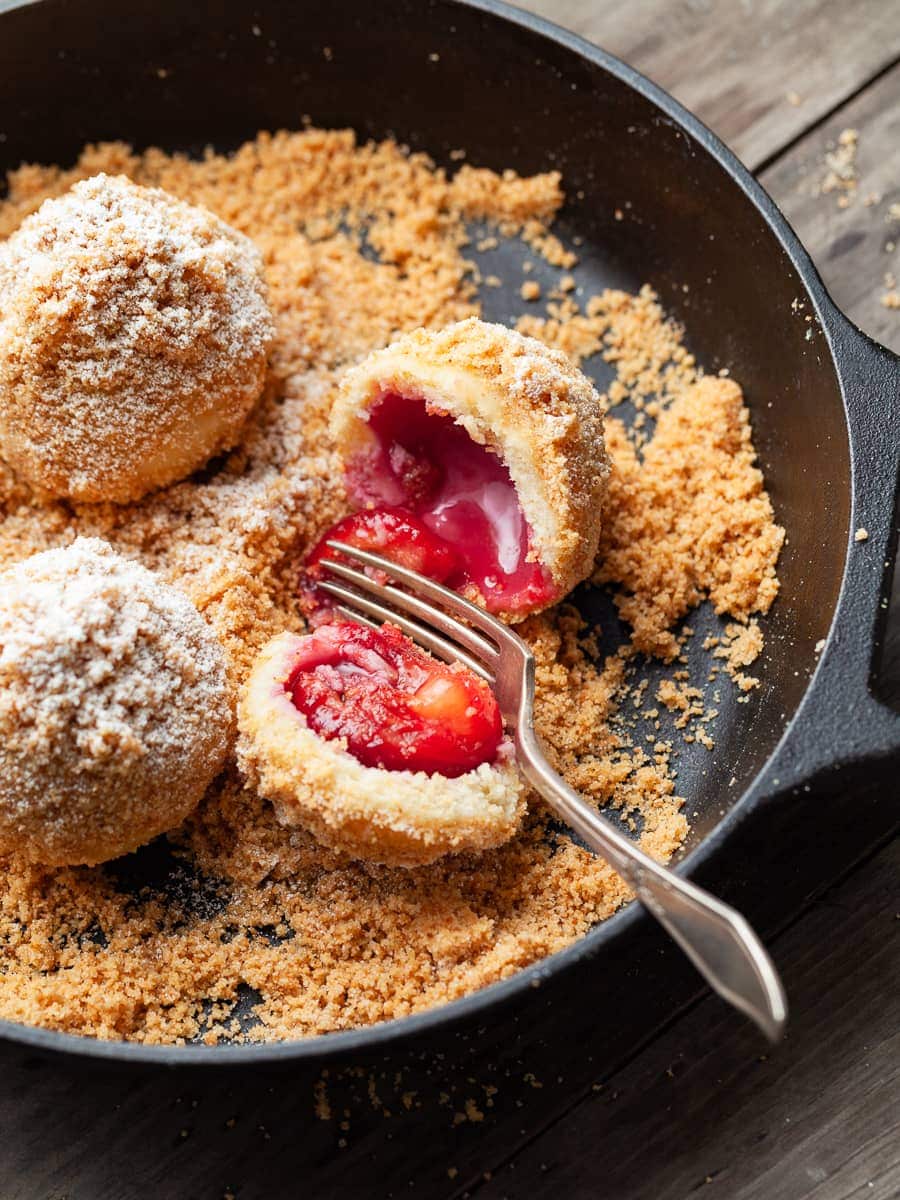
(476, 456)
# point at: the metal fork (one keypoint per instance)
(717, 939)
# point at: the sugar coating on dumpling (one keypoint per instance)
(115, 712)
(134, 334)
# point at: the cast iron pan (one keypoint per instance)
(803, 779)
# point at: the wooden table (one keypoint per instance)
(701, 1108)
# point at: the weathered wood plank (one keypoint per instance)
(856, 248)
(413, 1125)
(736, 64)
(851, 246)
(818, 1117)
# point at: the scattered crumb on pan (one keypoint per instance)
(259, 933)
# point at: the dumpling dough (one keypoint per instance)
(401, 818)
(114, 707)
(134, 333)
(534, 460)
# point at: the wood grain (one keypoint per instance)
(735, 62)
(851, 246)
(817, 1117)
(856, 248)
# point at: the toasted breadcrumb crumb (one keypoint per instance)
(691, 518)
(741, 646)
(841, 175)
(361, 242)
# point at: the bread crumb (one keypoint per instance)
(741, 646)
(861, 535)
(692, 518)
(361, 241)
(321, 1106)
(530, 290)
(840, 160)
(704, 739)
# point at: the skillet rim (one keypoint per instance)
(390, 1034)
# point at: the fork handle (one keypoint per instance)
(717, 939)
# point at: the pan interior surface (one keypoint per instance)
(646, 203)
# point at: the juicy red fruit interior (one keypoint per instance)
(397, 708)
(425, 465)
(394, 533)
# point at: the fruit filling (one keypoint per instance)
(396, 534)
(422, 465)
(397, 708)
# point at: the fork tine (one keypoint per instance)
(423, 586)
(358, 618)
(407, 602)
(432, 641)
(427, 638)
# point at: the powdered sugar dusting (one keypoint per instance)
(134, 332)
(537, 369)
(113, 703)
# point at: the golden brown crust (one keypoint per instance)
(517, 396)
(114, 709)
(134, 333)
(399, 818)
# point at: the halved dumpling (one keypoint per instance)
(490, 441)
(375, 747)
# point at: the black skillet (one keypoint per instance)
(804, 777)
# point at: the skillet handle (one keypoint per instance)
(872, 397)
(842, 721)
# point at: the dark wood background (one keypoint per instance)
(701, 1108)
